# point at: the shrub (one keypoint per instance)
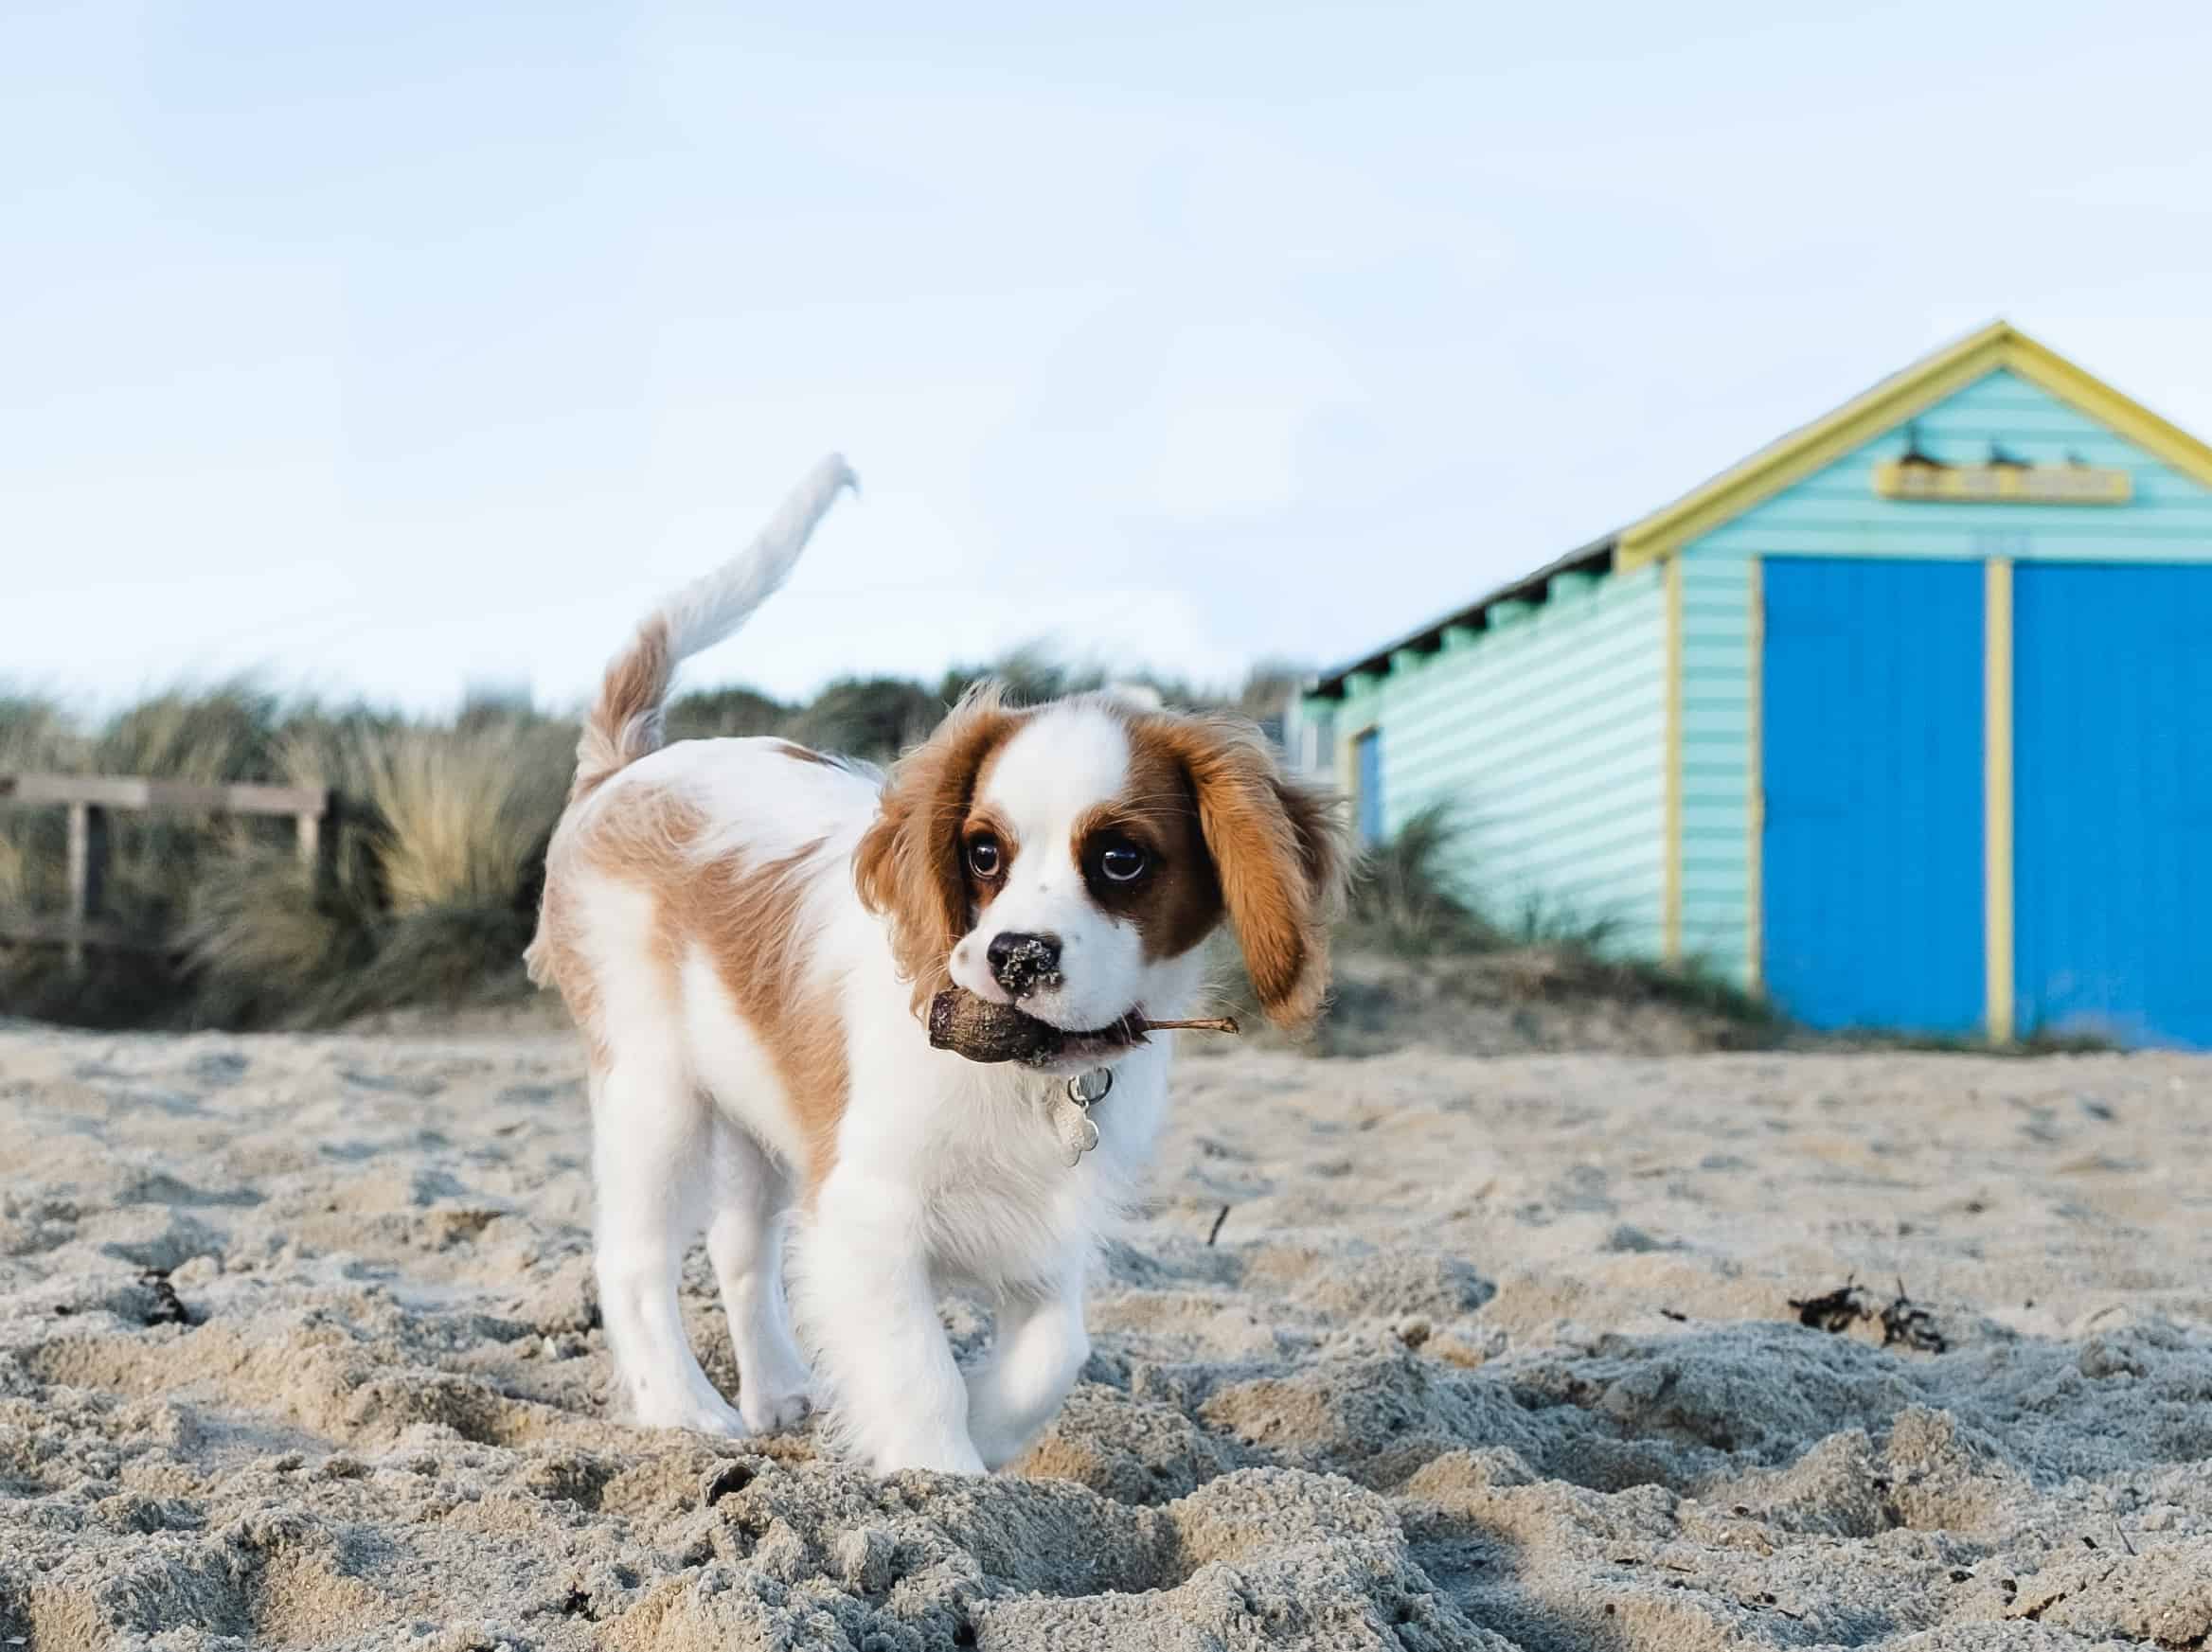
(265, 946)
(1407, 896)
(459, 818)
(722, 713)
(210, 737)
(873, 718)
(435, 884)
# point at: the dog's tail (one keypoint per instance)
(625, 724)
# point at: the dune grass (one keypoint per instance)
(437, 866)
(1408, 899)
(441, 858)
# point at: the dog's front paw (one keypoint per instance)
(997, 1450)
(699, 1413)
(770, 1410)
(939, 1457)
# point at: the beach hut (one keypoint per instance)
(1905, 721)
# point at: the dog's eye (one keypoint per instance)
(983, 857)
(1121, 863)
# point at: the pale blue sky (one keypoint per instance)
(396, 348)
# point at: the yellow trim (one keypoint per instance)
(1755, 825)
(1997, 795)
(2046, 369)
(1814, 446)
(1671, 872)
(1347, 761)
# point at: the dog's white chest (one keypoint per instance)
(1045, 1183)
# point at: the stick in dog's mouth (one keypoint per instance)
(987, 1032)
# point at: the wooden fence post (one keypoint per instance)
(88, 871)
(318, 844)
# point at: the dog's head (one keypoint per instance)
(1069, 859)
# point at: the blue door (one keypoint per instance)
(2112, 708)
(1367, 748)
(1872, 741)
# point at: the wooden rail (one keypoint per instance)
(91, 798)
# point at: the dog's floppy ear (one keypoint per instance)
(1281, 849)
(908, 865)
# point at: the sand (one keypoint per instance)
(297, 1348)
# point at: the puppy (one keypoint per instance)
(747, 933)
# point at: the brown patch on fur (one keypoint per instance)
(1280, 849)
(800, 753)
(747, 916)
(1178, 903)
(751, 920)
(910, 866)
(625, 721)
(555, 959)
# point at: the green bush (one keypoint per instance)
(722, 713)
(874, 718)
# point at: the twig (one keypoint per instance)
(1215, 1231)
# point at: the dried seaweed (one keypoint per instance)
(1902, 1321)
(168, 1308)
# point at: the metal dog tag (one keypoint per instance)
(1071, 1114)
(1088, 1089)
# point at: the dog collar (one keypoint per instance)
(1071, 1112)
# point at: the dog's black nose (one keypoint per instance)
(1024, 964)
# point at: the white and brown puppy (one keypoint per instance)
(747, 933)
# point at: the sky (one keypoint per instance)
(399, 351)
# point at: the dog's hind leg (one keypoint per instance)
(651, 1145)
(746, 1241)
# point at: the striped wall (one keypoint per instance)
(1546, 733)
(1718, 765)
(1836, 514)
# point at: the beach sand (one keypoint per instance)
(297, 1348)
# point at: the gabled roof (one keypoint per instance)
(1812, 447)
